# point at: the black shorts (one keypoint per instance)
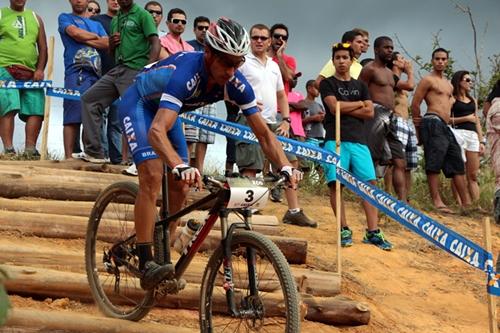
(382, 137)
(441, 150)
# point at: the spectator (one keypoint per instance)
(355, 108)
(382, 130)
(467, 126)
(286, 63)
(204, 137)
(23, 56)
(172, 42)
(405, 129)
(131, 52)
(366, 39)
(156, 10)
(491, 111)
(81, 38)
(441, 150)
(93, 9)
(111, 132)
(357, 41)
(265, 77)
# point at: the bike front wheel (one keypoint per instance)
(265, 295)
(111, 258)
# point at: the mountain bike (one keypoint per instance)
(246, 285)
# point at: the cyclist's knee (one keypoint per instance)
(150, 177)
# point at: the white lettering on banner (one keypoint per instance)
(7, 84)
(330, 159)
(230, 130)
(465, 252)
(207, 122)
(35, 84)
(385, 201)
(130, 133)
(64, 91)
(347, 177)
(408, 216)
(366, 190)
(189, 116)
(249, 136)
(307, 152)
(435, 233)
(287, 147)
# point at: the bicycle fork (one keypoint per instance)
(245, 309)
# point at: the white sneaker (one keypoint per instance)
(130, 171)
(78, 156)
(92, 159)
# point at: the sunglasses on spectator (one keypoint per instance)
(93, 10)
(278, 36)
(177, 21)
(202, 27)
(155, 12)
(468, 80)
(262, 38)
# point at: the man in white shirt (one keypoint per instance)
(265, 77)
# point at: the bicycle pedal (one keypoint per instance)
(169, 287)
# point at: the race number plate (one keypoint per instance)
(247, 193)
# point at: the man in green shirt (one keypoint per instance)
(23, 56)
(134, 43)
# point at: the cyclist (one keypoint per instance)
(149, 116)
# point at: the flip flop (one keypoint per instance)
(445, 210)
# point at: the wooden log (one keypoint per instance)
(313, 282)
(58, 226)
(50, 283)
(338, 310)
(82, 323)
(67, 165)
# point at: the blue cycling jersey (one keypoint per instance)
(179, 83)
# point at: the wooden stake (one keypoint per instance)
(46, 113)
(492, 304)
(338, 203)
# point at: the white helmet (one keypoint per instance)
(228, 36)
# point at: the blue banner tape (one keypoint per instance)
(6, 84)
(436, 233)
(70, 94)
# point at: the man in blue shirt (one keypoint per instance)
(149, 113)
(81, 38)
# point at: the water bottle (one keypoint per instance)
(185, 235)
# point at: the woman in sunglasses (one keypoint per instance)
(93, 8)
(467, 128)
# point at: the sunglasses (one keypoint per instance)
(278, 36)
(202, 27)
(262, 38)
(93, 10)
(226, 62)
(155, 12)
(177, 21)
(341, 45)
(468, 80)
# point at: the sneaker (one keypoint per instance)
(131, 170)
(78, 156)
(299, 219)
(153, 274)
(87, 158)
(377, 239)
(346, 237)
(275, 195)
(31, 154)
(496, 207)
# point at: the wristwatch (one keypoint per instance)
(287, 119)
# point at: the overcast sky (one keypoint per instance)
(314, 25)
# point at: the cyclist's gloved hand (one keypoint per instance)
(187, 174)
(292, 175)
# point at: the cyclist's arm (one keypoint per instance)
(157, 136)
(267, 140)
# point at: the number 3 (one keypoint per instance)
(250, 194)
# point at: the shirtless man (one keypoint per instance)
(441, 150)
(382, 137)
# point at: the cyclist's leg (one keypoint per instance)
(136, 120)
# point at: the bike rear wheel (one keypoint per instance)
(111, 259)
(276, 302)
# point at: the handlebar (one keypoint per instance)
(219, 182)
